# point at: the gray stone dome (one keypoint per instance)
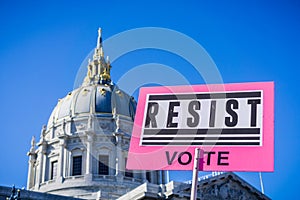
(95, 99)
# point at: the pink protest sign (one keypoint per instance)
(233, 124)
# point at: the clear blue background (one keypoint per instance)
(42, 45)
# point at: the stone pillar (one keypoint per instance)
(60, 168)
(40, 170)
(153, 177)
(89, 156)
(144, 178)
(41, 162)
(30, 180)
(120, 161)
(159, 177)
(40, 158)
(120, 164)
(65, 169)
(32, 159)
(44, 151)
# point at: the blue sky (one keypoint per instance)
(42, 45)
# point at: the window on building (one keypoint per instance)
(148, 176)
(128, 173)
(103, 165)
(77, 165)
(53, 170)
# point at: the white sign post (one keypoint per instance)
(197, 164)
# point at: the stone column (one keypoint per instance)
(120, 164)
(89, 157)
(41, 162)
(40, 170)
(30, 180)
(40, 158)
(44, 151)
(159, 177)
(31, 162)
(144, 178)
(65, 169)
(120, 161)
(153, 177)
(60, 168)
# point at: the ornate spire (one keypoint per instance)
(99, 42)
(99, 49)
(98, 68)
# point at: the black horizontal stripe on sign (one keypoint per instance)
(200, 143)
(205, 96)
(200, 138)
(224, 131)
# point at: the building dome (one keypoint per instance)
(95, 99)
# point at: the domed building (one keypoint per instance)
(82, 151)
